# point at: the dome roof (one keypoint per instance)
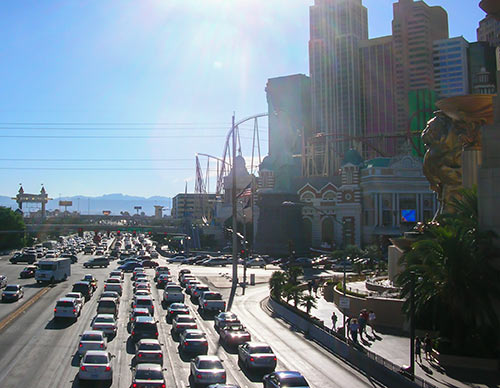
(266, 164)
(352, 156)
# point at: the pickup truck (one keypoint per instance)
(173, 294)
(211, 302)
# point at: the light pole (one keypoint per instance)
(412, 325)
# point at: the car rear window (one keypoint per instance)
(213, 296)
(107, 303)
(11, 288)
(294, 382)
(149, 346)
(209, 364)
(91, 337)
(173, 289)
(184, 319)
(104, 320)
(64, 304)
(261, 349)
(95, 359)
(142, 326)
(195, 336)
(144, 302)
(148, 374)
(83, 288)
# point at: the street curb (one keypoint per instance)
(16, 313)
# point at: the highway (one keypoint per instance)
(36, 352)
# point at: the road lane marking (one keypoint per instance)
(10, 318)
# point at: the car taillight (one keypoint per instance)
(160, 355)
(140, 355)
(74, 310)
(224, 376)
(186, 343)
(198, 376)
(274, 358)
(81, 345)
(152, 307)
(82, 368)
(55, 310)
(135, 305)
(195, 326)
(206, 304)
(156, 334)
(133, 333)
(252, 359)
(134, 385)
(108, 368)
(205, 343)
(171, 312)
(163, 386)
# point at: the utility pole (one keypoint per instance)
(246, 254)
(235, 224)
(412, 325)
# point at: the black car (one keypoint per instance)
(29, 258)
(28, 272)
(284, 379)
(96, 262)
(85, 288)
(144, 327)
(73, 258)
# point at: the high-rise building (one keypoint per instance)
(336, 28)
(489, 31)
(379, 106)
(451, 73)
(415, 26)
(482, 68)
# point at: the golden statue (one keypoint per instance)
(451, 137)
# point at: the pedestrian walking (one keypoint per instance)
(418, 349)
(316, 285)
(354, 328)
(362, 324)
(334, 320)
(427, 346)
(371, 320)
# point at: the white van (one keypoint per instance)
(53, 270)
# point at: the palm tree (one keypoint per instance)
(294, 273)
(458, 283)
(276, 283)
(308, 301)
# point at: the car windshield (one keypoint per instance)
(261, 349)
(148, 374)
(104, 320)
(73, 295)
(210, 364)
(149, 346)
(294, 382)
(11, 288)
(95, 359)
(91, 337)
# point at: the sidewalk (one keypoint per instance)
(397, 350)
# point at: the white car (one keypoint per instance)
(257, 262)
(91, 340)
(148, 351)
(77, 296)
(207, 370)
(111, 294)
(96, 365)
(67, 308)
(116, 273)
(105, 323)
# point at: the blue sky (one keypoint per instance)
(187, 64)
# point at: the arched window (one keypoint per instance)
(329, 196)
(327, 231)
(307, 197)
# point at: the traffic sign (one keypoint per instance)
(344, 303)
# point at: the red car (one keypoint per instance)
(149, 264)
(28, 272)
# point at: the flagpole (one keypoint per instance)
(234, 282)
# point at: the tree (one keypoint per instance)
(308, 301)
(457, 283)
(13, 228)
(276, 283)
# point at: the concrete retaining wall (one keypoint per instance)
(352, 355)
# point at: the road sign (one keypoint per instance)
(344, 303)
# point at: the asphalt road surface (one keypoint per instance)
(37, 352)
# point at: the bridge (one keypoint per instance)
(154, 229)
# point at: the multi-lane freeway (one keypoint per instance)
(35, 351)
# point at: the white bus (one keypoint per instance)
(53, 270)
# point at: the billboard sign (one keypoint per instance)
(65, 203)
(408, 215)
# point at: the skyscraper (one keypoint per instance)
(379, 105)
(482, 68)
(415, 26)
(450, 67)
(489, 31)
(336, 28)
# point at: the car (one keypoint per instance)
(162, 269)
(67, 308)
(193, 341)
(130, 266)
(257, 355)
(182, 322)
(231, 335)
(96, 365)
(176, 259)
(183, 271)
(148, 351)
(3, 281)
(12, 292)
(257, 262)
(142, 293)
(85, 288)
(96, 262)
(148, 376)
(77, 296)
(223, 319)
(113, 284)
(107, 306)
(200, 289)
(174, 309)
(73, 258)
(191, 285)
(29, 258)
(149, 264)
(162, 280)
(144, 327)
(144, 301)
(138, 312)
(117, 273)
(284, 379)
(172, 294)
(28, 272)
(91, 340)
(111, 294)
(223, 386)
(206, 370)
(105, 323)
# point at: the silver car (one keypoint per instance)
(205, 370)
(91, 340)
(148, 351)
(257, 355)
(105, 323)
(96, 365)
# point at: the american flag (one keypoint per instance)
(247, 191)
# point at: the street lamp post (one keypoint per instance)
(412, 325)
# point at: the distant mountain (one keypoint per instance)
(115, 203)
